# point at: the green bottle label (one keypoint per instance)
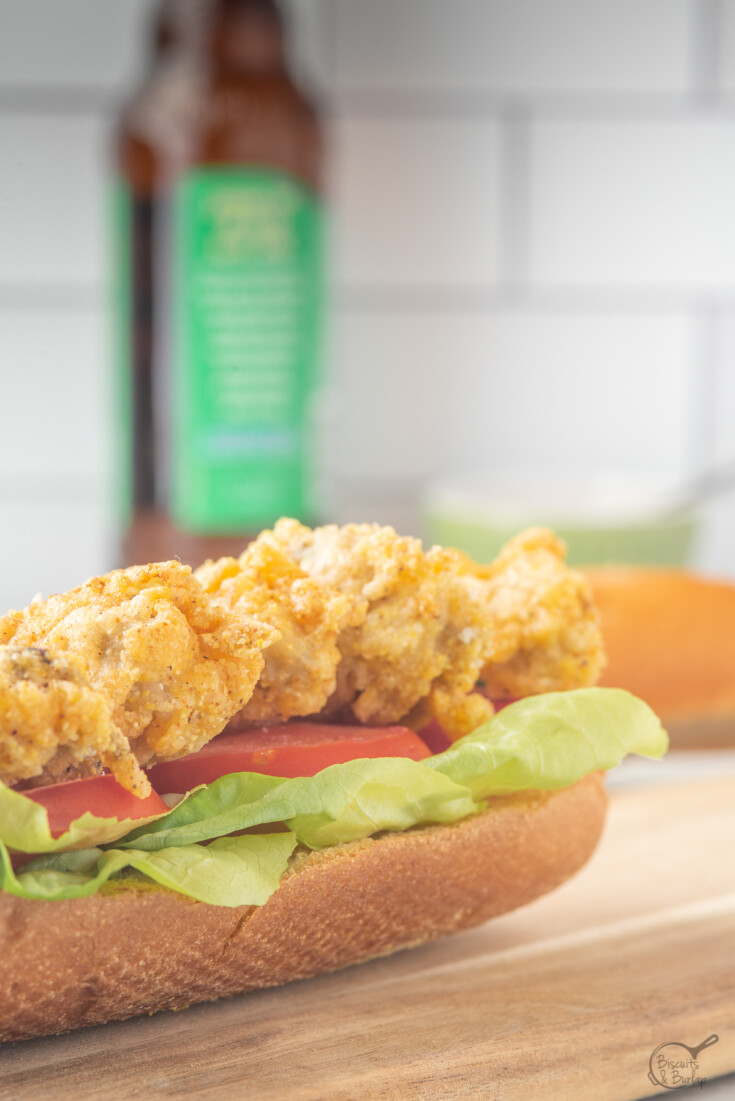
(247, 302)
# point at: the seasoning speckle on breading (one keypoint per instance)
(168, 665)
(301, 665)
(54, 724)
(419, 629)
(353, 623)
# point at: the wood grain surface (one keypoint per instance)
(567, 998)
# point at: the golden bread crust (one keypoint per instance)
(669, 639)
(138, 949)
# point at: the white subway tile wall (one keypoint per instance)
(726, 52)
(723, 425)
(389, 367)
(50, 544)
(514, 46)
(533, 226)
(444, 177)
(596, 377)
(718, 528)
(52, 208)
(70, 44)
(53, 416)
(634, 203)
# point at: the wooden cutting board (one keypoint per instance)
(567, 998)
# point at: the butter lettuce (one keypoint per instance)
(551, 741)
(341, 803)
(232, 871)
(544, 742)
(24, 826)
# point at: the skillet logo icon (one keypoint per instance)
(674, 1065)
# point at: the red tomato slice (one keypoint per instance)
(102, 795)
(436, 736)
(291, 749)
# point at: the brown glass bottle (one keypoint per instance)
(219, 157)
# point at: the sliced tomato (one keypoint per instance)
(291, 749)
(101, 795)
(436, 737)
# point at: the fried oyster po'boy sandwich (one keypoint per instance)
(290, 762)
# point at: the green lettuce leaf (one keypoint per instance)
(341, 803)
(545, 742)
(551, 741)
(24, 826)
(232, 871)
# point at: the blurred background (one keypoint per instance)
(531, 269)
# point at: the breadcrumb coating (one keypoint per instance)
(300, 670)
(419, 635)
(53, 722)
(172, 665)
(352, 623)
(546, 631)
(430, 625)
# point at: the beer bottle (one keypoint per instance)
(218, 285)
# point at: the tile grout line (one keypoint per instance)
(510, 293)
(51, 296)
(35, 489)
(555, 106)
(703, 391)
(530, 297)
(703, 98)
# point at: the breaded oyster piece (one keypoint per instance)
(173, 665)
(418, 635)
(546, 631)
(54, 725)
(301, 665)
(433, 624)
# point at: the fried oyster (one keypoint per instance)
(546, 632)
(169, 665)
(300, 671)
(352, 623)
(54, 724)
(419, 635)
(419, 630)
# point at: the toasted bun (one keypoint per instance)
(669, 637)
(137, 949)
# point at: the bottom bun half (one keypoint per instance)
(138, 948)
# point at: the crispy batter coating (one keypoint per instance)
(301, 665)
(173, 665)
(546, 633)
(53, 722)
(150, 663)
(431, 624)
(419, 636)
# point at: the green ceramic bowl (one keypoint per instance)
(602, 520)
